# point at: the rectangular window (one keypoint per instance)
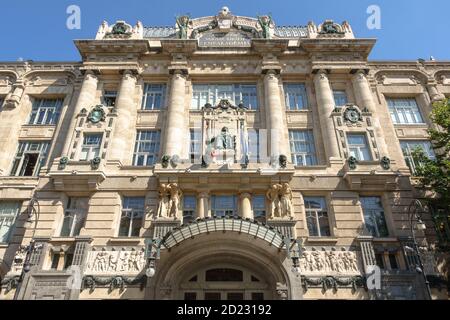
(146, 149)
(30, 157)
(374, 219)
(132, 215)
(74, 217)
(259, 208)
(189, 208)
(358, 146)
(45, 111)
(302, 147)
(109, 98)
(295, 96)
(92, 144)
(2, 100)
(235, 93)
(340, 98)
(254, 146)
(195, 145)
(154, 96)
(223, 206)
(317, 217)
(404, 111)
(8, 215)
(379, 258)
(409, 146)
(393, 261)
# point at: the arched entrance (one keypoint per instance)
(221, 265)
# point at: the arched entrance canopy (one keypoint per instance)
(223, 224)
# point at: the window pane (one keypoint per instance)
(295, 96)
(8, 215)
(302, 147)
(404, 111)
(374, 216)
(340, 98)
(146, 148)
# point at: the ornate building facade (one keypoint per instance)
(222, 158)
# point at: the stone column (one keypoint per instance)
(364, 99)
(276, 129)
(246, 205)
(124, 129)
(176, 116)
(85, 99)
(326, 105)
(203, 210)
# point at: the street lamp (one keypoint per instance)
(415, 211)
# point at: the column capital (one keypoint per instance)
(272, 70)
(178, 70)
(93, 73)
(129, 72)
(203, 194)
(359, 72)
(245, 194)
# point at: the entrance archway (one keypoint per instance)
(221, 266)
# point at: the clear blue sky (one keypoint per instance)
(36, 29)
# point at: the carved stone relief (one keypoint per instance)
(329, 262)
(115, 262)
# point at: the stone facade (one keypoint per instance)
(107, 216)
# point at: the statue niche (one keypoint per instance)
(224, 134)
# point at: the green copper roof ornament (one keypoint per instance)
(266, 23)
(119, 28)
(183, 25)
(97, 114)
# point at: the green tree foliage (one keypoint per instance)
(434, 174)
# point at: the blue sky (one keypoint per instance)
(410, 29)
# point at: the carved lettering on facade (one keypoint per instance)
(222, 39)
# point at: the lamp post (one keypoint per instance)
(415, 211)
(33, 211)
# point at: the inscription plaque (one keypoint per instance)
(225, 39)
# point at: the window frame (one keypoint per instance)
(107, 95)
(315, 211)
(91, 147)
(359, 146)
(156, 141)
(407, 152)
(12, 217)
(192, 210)
(412, 110)
(150, 90)
(195, 144)
(18, 168)
(262, 208)
(133, 214)
(299, 91)
(48, 119)
(76, 214)
(368, 212)
(213, 93)
(335, 93)
(226, 211)
(308, 139)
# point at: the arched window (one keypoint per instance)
(224, 275)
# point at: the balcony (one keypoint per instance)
(77, 175)
(371, 175)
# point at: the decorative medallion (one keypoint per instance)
(97, 114)
(352, 114)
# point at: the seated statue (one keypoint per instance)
(224, 141)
